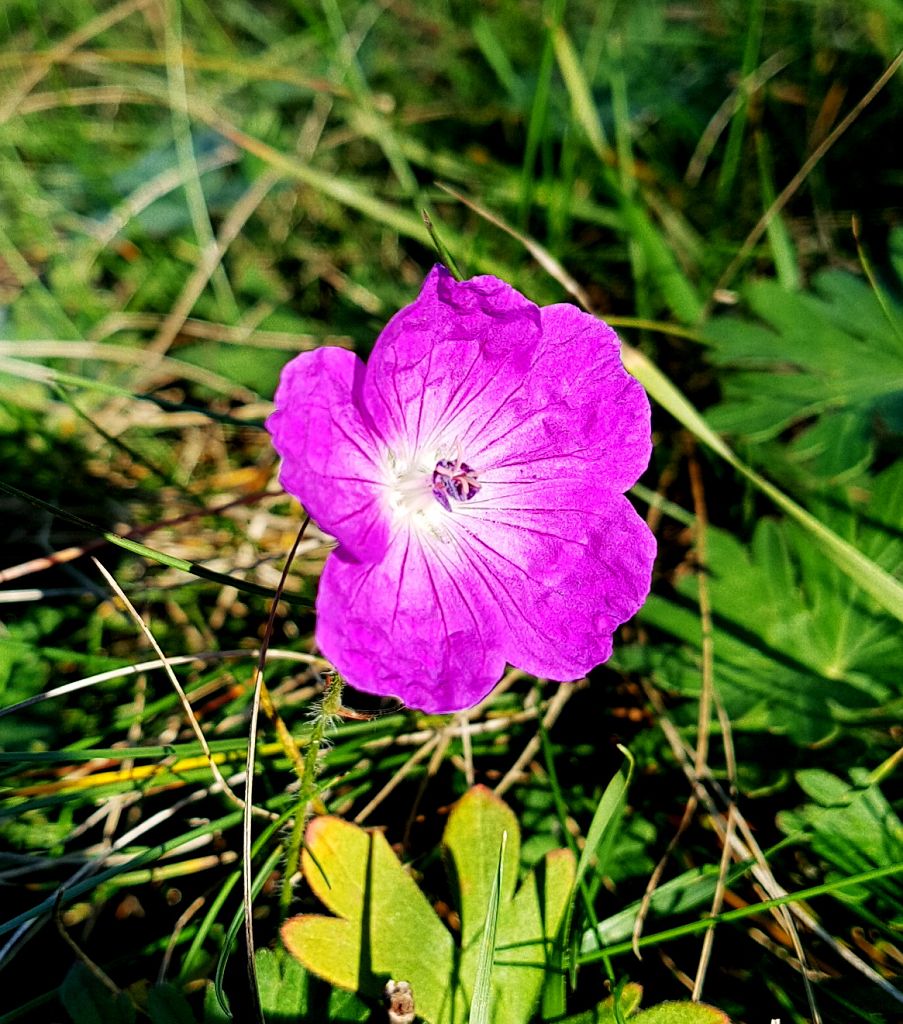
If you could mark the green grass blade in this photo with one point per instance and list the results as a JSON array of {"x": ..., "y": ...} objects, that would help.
[
  {"x": 497, "y": 57},
  {"x": 481, "y": 1006},
  {"x": 733, "y": 152},
  {"x": 753, "y": 909},
  {"x": 21, "y": 369},
  {"x": 785, "y": 262},
  {"x": 656, "y": 257},
  {"x": 239, "y": 917},
  {"x": 606, "y": 817},
  {"x": 582, "y": 104}
]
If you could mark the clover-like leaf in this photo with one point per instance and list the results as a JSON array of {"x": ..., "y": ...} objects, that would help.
[
  {"x": 384, "y": 927},
  {"x": 854, "y": 828},
  {"x": 529, "y": 920}
]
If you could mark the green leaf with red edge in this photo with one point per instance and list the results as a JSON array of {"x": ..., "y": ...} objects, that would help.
[{"x": 384, "y": 927}]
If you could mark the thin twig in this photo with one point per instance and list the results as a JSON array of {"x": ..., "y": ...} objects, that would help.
[
  {"x": 747, "y": 848},
  {"x": 177, "y": 686},
  {"x": 556, "y": 706},
  {"x": 746, "y": 88},
  {"x": 246, "y": 876}
]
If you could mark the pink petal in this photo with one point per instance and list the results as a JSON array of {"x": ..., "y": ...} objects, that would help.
[
  {"x": 578, "y": 411},
  {"x": 458, "y": 350},
  {"x": 565, "y": 567},
  {"x": 412, "y": 626},
  {"x": 329, "y": 460}
]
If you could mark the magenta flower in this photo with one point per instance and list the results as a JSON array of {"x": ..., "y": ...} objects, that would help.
[{"x": 472, "y": 473}]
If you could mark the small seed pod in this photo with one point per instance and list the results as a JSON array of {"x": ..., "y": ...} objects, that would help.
[{"x": 400, "y": 997}]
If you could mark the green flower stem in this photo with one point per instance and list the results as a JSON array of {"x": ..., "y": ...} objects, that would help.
[{"x": 326, "y": 714}]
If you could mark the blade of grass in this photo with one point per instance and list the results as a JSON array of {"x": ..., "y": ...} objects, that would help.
[
  {"x": 141, "y": 667},
  {"x": 497, "y": 58},
  {"x": 582, "y": 103},
  {"x": 538, "y": 113},
  {"x": 22, "y": 370},
  {"x": 222, "y": 894},
  {"x": 346, "y": 58},
  {"x": 240, "y": 917},
  {"x": 481, "y": 1005},
  {"x": 675, "y": 288},
  {"x": 636, "y": 251},
  {"x": 177, "y": 686},
  {"x": 188, "y": 166},
  {"x": 755, "y": 20},
  {"x": 599, "y": 838},
  {"x": 63, "y": 49},
  {"x": 892, "y": 317},
  {"x": 790, "y": 189},
  {"x": 785, "y": 263},
  {"x": 251, "y": 888},
  {"x": 727, "y": 916}
]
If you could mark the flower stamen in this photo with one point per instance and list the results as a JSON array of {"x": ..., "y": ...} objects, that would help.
[{"x": 454, "y": 480}]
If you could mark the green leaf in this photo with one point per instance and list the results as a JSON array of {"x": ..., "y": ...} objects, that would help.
[
  {"x": 346, "y": 1008},
  {"x": 874, "y": 580},
  {"x": 529, "y": 922},
  {"x": 384, "y": 927},
  {"x": 472, "y": 838},
  {"x": 681, "y": 1013},
  {"x": 88, "y": 1001},
  {"x": 799, "y": 648},
  {"x": 810, "y": 359},
  {"x": 629, "y": 998},
  {"x": 853, "y": 827},
  {"x": 282, "y": 984},
  {"x": 167, "y": 1005}
]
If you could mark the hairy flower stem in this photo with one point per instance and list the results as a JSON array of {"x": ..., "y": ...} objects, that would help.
[
  {"x": 325, "y": 714},
  {"x": 289, "y": 745}
]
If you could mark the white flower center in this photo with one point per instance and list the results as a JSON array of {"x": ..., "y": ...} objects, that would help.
[{"x": 423, "y": 488}]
